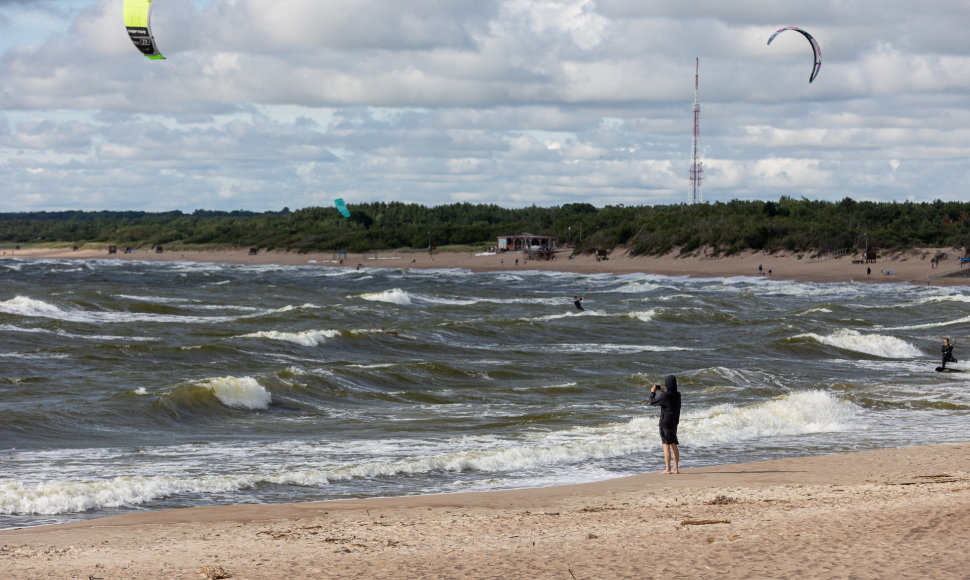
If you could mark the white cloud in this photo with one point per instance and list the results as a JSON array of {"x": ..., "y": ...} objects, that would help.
[{"x": 262, "y": 105}]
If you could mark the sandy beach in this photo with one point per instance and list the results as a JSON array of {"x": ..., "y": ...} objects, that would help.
[
  {"x": 912, "y": 266},
  {"x": 890, "y": 513}
]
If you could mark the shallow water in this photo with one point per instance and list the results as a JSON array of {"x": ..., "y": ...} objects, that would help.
[{"x": 133, "y": 386}]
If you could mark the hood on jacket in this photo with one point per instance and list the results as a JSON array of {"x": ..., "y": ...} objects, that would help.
[{"x": 670, "y": 384}]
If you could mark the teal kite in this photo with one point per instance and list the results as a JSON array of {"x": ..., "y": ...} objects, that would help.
[{"x": 342, "y": 207}]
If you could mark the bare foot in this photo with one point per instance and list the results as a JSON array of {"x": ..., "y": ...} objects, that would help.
[
  {"x": 675, "y": 471},
  {"x": 665, "y": 471}
]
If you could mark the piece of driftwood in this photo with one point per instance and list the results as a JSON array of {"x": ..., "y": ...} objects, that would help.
[{"x": 703, "y": 522}]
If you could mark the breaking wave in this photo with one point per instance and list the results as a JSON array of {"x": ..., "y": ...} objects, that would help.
[
  {"x": 796, "y": 413},
  {"x": 871, "y": 344},
  {"x": 305, "y": 338},
  {"x": 393, "y": 296}
]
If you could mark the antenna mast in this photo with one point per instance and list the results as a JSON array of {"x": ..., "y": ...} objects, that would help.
[{"x": 694, "y": 195}]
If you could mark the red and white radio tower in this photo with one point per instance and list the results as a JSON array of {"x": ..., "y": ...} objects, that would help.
[{"x": 694, "y": 195}]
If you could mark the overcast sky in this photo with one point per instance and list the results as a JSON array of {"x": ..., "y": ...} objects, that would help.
[{"x": 265, "y": 104}]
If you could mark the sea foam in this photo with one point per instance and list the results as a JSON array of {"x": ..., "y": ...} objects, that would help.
[
  {"x": 64, "y": 497},
  {"x": 793, "y": 414}
]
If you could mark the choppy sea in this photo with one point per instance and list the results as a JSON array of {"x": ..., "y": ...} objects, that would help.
[{"x": 131, "y": 386}]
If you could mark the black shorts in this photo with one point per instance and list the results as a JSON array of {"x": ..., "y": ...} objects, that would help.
[{"x": 668, "y": 435}]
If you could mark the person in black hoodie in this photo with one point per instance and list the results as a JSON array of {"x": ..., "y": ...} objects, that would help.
[{"x": 668, "y": 398}]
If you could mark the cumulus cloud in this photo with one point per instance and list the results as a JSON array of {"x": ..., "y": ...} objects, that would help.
[{"x": 261, "y": 105}]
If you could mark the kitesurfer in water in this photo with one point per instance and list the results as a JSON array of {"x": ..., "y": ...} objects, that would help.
[
  {"x": 578, "y": 300},
  {"x": 668, "y": 399},
  {"x": 947, "y": 353}
]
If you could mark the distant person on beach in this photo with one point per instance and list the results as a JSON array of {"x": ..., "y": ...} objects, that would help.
[
  {"x": 668, "y": 399},
  {"x": 947, "y": 352},
  {"x": 578, "y": 301}
]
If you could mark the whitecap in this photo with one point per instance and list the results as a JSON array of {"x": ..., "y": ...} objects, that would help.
[
  {"x": 643, "y": 315},
  {"x": 25, "y": 306},
  {"x": 794, "y": 414},
  {"x": 392, "y": 296},
  {"x": 241, "y": 392},
  {"x": 871, "y": 344},
  {"x": 305, "y": 338},
  {"x": 940, "y": 324}
]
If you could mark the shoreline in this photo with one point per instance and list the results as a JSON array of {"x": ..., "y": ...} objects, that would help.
[
  {"x": 912, "y": 266},
  {"x": 897, "y": 512}
]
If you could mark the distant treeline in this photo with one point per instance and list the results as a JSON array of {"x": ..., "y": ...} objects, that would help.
[{"x": 798, "y": 225}]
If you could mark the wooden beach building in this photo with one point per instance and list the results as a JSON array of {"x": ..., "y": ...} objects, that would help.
[{"x": 533, "y": 247}]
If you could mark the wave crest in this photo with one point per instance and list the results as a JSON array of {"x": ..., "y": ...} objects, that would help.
[
  {"x": 229, "y": 391},
  {"x": 871, "y": 344},
  {"x": 392, "y": 296},
  {"x": 305, "y": 338},
  {"x": 244, "y": 392},
  {"x": 798, "y": 413}
]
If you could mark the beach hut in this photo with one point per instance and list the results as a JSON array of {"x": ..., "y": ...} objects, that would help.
[{"x": 533, "y": 247}]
